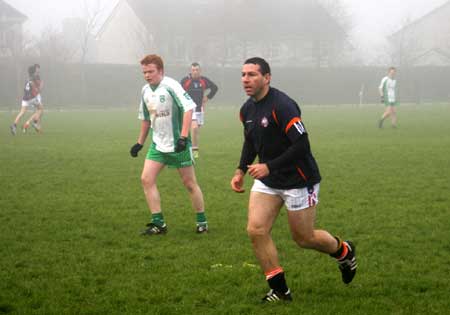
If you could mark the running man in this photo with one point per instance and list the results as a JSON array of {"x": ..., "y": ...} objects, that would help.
[
  {"x": 196, "y": 85},
  {"x": 31, "y": 100},
  {"x": 388, "y": 95},
  {"x": 167, "y": 109},
  {"x": 286, "y": 174}
]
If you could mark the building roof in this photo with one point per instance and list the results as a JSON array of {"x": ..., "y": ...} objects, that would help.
[
  {"x": 9, "y": 13},
  {"x": 429, "y": 15}
]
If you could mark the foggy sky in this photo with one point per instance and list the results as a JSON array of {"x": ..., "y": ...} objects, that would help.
[{"x": 372, "y": 20}]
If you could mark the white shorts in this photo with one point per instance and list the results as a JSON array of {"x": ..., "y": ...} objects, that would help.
[
  {"x": 199, "y": 117},
  {"x": 34, "y": 102},
  {"x": 294, "y": 199}
]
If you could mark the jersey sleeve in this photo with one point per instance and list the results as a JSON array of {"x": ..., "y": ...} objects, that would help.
[
  {"x": 383, "y": 81},
  {"x": 181, "y": 97},
  {"x": 143, "y": 110},
  {"x": 288, "y": 117}
]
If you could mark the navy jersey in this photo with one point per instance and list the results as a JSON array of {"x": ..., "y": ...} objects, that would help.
[
  {"x": 196, "y": 89},
  {"x": 271, "y": 126},
  {"x": 31, "y": 89}
]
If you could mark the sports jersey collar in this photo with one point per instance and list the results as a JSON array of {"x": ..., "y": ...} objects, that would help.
[
  {"x": 154, "y": 87},
  {"x": 269, "y": 92}
]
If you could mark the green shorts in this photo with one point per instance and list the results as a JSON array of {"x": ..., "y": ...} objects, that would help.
[
  {"x": 171, "y": 159},
  {"x": 391, "y": 103}
]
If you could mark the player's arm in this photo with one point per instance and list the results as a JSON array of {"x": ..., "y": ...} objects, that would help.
[
  {"x": 212, "y": 88},
  {"x": 144, "y": 116},
  {"x": 145, "y": 127},
  {"x": 184, "y": 102},
  {"x": 187, "y": 119},
  {"x": 381, "y": 87},
  {"x": 248, "y": 155}
]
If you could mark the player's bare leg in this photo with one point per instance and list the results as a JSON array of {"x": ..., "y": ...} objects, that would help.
[
  {"x": 386, "y": 114},
  {"x": 393, "y": 117},
  {"x": 302, "y": 229},
  {"x": 35, "y": 119},
  {"x": 194, "y": 134},
  {"x": 148, "y": 179},
  {"x": 301, "y": 223},
  {"x": 189, "y": 180},
  {"x": 22, "y": 112},
  {"x": 262, "y": 211}
]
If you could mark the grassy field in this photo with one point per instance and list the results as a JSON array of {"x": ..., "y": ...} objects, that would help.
[{"x": 71, "y": 209}]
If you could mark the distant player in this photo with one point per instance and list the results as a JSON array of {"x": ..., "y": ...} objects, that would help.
[
  {"x": 31, "y": 100},
  {"x": 196, "y": 85},
  {"x": 285, "y": 175},
  {"x": 388, "y": 95},
  {"x": 167, "y": 109}
]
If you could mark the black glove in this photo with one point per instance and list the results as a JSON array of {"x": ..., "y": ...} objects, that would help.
[
  {"x": 181, "y": 144},
  {"x": 135, "y": 149},
  {"x": 382, "y": 99}
]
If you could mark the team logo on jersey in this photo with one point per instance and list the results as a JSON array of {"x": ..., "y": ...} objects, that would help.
[
  {"x": 162, "y": 98},
  {"x": 186, "y": 95},
  {"x": 264, "y": 122}
]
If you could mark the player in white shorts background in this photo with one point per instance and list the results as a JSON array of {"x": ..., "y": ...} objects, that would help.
[
  {"x": 285, "y": 175},
  {"x": 31, "y": 101},
  {"x": 196, "y": 85}
]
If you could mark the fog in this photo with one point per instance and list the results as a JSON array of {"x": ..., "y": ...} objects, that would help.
[
  {"x": 371, "y": 20},
  {"x": 341, "y": 45}
]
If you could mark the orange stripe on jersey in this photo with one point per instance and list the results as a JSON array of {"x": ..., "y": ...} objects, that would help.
[
  {"x": 241, "y": 118},
  {"x": 299, "y": 170},
  {"x": 291, "y": 123},
  {"x": 274, "y": 115}
]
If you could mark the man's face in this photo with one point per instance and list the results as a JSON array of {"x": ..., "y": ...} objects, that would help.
[
  {"x": 253, "y": 81},
  {"x": 392, "y": 73},
  {"x": 195, "y": 72},
  {"x": 151, "y": 74}
]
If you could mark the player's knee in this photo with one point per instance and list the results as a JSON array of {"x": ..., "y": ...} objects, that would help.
[
  {"x": 147, "y": 181},
  {"x": 190, "y": 184},
  {"x": 302, "y": 240},
  {"x": 254, "y": 230}
]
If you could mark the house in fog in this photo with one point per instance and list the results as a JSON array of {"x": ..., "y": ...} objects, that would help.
[
  {"x": 221, "y": 33},
  {"x": 425, "y": 41},
  {"x": 11, "y": 34}
]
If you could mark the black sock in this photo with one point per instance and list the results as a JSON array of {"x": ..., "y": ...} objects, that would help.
[
  {"x": 278, "y": 283},
  {"x": 340, "y": 249}
]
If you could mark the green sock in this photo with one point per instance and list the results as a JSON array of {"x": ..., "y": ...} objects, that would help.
[
  {"x": 201, "y": 218},
  {"x": 158, "y": 219}
]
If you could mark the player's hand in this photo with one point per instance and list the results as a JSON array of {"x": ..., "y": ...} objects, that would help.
[
  {"x": 258, "y": 171},
  {"x": 382, "y": 99},
  {"x": 181, "y": 144},
  {"x": 135, "y": 149},
  {"x": 237, "y": 182}
]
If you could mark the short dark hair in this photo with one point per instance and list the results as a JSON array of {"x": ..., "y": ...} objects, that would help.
[
  {"x": 195, "y": 64},
  {"x": 263, "y": 65},
  {"x": 31, "y": 70},
  {"x": 392, "y": 68}
]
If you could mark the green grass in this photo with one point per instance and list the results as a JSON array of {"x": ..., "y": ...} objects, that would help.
[{"x": 71, "y": 209}]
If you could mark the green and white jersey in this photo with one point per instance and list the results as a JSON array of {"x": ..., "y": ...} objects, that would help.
[
  {"x": 388, "y": 86},
  {"x": 164, "y": 106}
]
